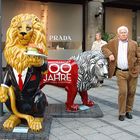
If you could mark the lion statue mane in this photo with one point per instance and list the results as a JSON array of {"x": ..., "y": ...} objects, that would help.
[
  {"x": 92, "y": 68},
  {"x": 15, "y": 45}
]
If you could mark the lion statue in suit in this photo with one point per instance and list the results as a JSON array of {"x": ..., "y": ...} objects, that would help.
[{"x": 27, "y": 101}]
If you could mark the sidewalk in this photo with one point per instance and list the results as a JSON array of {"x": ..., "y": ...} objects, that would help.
[{"x": 105, "y": 128}]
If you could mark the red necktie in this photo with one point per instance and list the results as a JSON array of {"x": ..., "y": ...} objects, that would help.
[{"x": 20, "y": 82}]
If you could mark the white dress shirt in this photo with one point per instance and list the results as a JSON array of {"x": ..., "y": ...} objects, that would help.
[
  {"x": 96, "y": 46},
  {"x": 122, "y": 61},
  {"x": 23, "y": 74}
]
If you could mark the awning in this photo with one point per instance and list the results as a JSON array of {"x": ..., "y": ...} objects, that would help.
[
  {"x": 66, "y": 1},
  {"x": 132, "y": 4}
]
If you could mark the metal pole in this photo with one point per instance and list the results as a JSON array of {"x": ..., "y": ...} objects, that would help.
[
  {"x": 1, "y": 105},
  {"x": 84, "y": 28}
]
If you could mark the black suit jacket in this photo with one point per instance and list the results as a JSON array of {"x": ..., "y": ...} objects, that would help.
[{"x": 31, "y": 83}]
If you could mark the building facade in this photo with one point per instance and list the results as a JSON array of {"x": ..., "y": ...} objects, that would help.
[{"x": 71, "y": 25}]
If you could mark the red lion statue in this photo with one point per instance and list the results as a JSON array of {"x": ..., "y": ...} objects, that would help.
[{"x": 77, "y": 75}]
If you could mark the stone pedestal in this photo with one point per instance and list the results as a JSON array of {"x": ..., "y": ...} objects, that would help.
[
  {"x": 42, "y": 135},
  {"x": 58, "y": 110}
]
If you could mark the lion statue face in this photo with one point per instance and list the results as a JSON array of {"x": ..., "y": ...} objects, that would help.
[
  {"x": 101, "y": 69},
  {"x": 24, "y": 30}
]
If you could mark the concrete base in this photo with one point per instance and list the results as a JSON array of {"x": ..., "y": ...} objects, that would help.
[
  {"x": 58, "y": 110},
  {"x": 43, "y": 135}
]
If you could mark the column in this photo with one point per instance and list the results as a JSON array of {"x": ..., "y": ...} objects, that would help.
[{"x": 95, "y": 21}]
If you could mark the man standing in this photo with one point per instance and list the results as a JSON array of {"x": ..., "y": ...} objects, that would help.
[{"x": 124, "y": 62}]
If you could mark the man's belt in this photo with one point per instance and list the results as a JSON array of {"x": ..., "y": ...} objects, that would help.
[{"x": 122, "y": 69}]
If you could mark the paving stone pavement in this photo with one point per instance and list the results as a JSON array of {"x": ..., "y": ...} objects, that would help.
[{"x": 106, "y": 128}]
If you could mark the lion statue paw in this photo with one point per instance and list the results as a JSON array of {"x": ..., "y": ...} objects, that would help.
[
  {"x": 11, "y": 122},
  {"x": 36, "y": 124}
]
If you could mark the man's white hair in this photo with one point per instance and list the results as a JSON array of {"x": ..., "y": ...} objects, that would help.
[{"x": 122, "y": 28}]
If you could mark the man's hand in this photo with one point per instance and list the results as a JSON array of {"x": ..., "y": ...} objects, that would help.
[
  {"x": 111, "y": 57},
  {"x": 3, "y": 94}
]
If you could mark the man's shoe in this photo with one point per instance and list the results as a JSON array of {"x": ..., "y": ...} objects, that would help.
[
  {"x": 121, "y": 117},
  {"x": 129, "y": 115}
]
